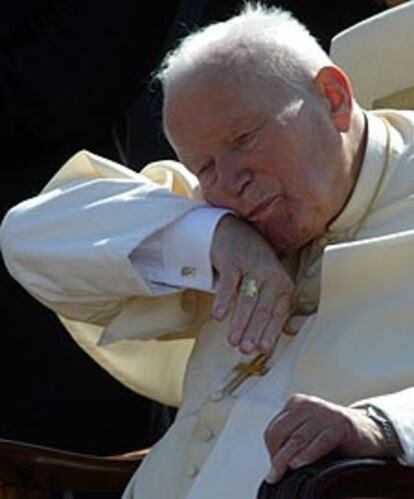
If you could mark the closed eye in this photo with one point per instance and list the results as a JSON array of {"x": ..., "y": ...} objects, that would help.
[
  {"x": 204, "y": 168},
  {"x": 247, "y": 139},
  {"x": 243, "y": 139}
]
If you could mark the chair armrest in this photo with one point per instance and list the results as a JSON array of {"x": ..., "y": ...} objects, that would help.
[
  {"x": 343, "y": 477},
  {"x": 42, "y": 468}
]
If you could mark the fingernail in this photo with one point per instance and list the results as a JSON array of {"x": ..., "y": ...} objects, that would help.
[
  {"x": 247, "y": 346},
  {"x": 296, "y": 463},
  {"x": 265, "y": 346},
  {"x": 234, "y": 340},
  {"x": 272, "y": 476},
  {"x": 218, "y": 312}
]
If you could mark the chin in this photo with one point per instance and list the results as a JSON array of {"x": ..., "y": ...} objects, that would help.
[{"x": 289, "y": 241}]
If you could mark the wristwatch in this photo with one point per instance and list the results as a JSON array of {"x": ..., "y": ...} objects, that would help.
[{"x": 392, "y": 443}]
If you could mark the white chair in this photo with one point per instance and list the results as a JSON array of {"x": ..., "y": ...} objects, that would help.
[{"x": 378, "y": 56}]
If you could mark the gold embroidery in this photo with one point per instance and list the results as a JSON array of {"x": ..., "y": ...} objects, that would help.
[
  {"x": 380, "y": 183},
  {"x": 257, "y": 367}
]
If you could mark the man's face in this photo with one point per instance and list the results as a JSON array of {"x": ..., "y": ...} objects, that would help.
[{"x": 273, "y": 156}]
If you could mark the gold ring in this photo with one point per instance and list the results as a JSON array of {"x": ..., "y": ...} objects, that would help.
[{"x": 250, "y": 288}]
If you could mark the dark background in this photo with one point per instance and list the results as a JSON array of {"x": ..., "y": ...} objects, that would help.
[{"x": 75, "y": 75}]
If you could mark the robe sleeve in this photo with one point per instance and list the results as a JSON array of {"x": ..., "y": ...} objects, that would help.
[
  {"x": 398, "y": 407},
  {"x": 70, "y": 248}
]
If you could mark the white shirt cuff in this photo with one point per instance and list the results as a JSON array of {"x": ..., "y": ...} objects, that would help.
[
  {"x": 179, "y": 255},
  {"x": 399, "y": 409}
]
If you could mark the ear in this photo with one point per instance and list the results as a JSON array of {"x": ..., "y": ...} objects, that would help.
[{"x": 333, "y": 85}]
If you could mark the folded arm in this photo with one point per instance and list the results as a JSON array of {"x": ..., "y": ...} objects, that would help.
[
  {"x": 86, "y": 247},
  {"x": 92, "y": 244}
]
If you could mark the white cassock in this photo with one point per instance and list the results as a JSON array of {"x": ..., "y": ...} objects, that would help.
[{"x": 78, "y": 247}]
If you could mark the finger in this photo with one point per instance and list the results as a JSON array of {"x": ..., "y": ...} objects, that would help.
[
  {"x": 243, "y": 309},
  {"x": 324, "y": 442},
  {"x": 270, "y": 335},
  {"x": 274, "y": 329},
  {"x": 298, "y": 408},
  {"x": 298, "y": 441},
  {"x": 226, "y": 292},
  {"x": 279, "y": 430},
  {"x": 258, "y": 320}
]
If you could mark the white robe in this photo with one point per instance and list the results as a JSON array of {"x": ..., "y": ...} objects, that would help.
[{"x": 71, "y": 247}]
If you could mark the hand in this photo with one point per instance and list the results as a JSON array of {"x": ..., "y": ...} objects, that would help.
[
  {"x": 238, "y": 253},
  {"x": 308, "y": 428}
]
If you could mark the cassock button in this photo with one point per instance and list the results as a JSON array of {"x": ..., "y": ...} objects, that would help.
[
  {"x": 188, "y": 271},
  {"x": 217, "y": 396},
  {"x": 206, "y": 434},
  {"x": 193, "y": 471}
]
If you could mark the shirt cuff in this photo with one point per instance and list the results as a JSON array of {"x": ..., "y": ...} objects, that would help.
[
  {"x": 399, "y": 409},
  {"x": 183, "y": 250}
]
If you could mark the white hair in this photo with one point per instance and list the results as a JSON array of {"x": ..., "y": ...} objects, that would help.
[{"x": 277, "y": 42}]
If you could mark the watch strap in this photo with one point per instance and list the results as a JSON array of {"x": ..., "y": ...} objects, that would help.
[{"x": 392, "y": 443}]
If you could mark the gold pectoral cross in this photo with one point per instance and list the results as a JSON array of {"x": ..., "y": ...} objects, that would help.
[{"x": 257, "y": 367}]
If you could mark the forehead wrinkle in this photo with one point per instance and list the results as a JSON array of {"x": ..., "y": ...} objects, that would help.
[
  {"x": 208, "y": 107},
  {"x": 202, "y": 137},
  {"x": 202, "y": 113}
]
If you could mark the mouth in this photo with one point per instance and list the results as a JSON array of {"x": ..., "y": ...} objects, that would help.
[{"x": 258, "y": 211}]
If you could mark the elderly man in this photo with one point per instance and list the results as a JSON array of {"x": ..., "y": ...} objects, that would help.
[{"x": 296, "y": 209}]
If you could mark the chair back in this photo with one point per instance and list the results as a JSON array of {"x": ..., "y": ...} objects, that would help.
[
  {"x": 378, "y": 56},
  {"x": 34, "y": 472}
]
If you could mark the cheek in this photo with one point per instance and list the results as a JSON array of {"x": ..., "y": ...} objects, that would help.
[{"x": 215, "y": 197}]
